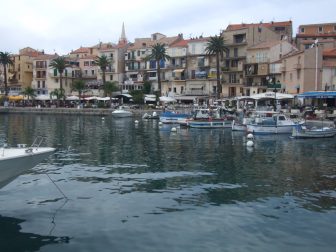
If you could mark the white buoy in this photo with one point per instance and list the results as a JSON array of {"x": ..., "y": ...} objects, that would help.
[
  {"x": 103, "y": 118},
  {"x": 249, "y": 143},
  {"x": 160, "y": 123},
  {"x": 136, "y": 121},
  {"x": 173, "y": 129},
  {"x": 250, "y": 136}
]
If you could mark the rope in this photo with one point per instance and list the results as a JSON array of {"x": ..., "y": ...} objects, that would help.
[{"x": 59, "y": 189}]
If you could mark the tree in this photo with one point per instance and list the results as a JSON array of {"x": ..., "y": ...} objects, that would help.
[
  {"x": 158, "y": 54},
  {"x": 29, "y": 92},
  {"x": 109, "y": 88},
  {"x": 103, "y": 62},
  {"x": 147, "y": 86},
  {"x": 59, "y": 93},
  {"x": 59, "y": 64},
  {"x": 5, "y": 60},
  {"x": 216, "y": 46},
  {"x": 79, "y": 86}
]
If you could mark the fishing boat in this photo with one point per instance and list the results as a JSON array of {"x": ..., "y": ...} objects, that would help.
[
  {"x": 209, "y": 118},
  {"x": 303, "y": 131},
  {"x": 273, "y": 124},
  {"x": 174, "y": 117},
  {"x": 122, "y": 111},
  {"x": 238, "y": 126},
  {"x": 15, "y": 160}
]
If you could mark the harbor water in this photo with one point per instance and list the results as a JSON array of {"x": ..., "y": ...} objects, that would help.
[{"x": 117, "y": 185}]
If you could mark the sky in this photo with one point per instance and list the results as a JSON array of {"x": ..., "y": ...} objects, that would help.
[{"x": 59, "y": 26}]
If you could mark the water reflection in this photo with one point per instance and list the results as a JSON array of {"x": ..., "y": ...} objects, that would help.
[
  {"x": 121, "y": 176},
  {"x": 13, "y": 239}
]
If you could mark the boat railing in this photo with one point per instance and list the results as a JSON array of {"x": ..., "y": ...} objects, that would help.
[{"x": 36, "y": 144}]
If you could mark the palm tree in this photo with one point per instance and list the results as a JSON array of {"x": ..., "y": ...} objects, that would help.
[
  {"x": 217, "y": 47},
  {"x": 59, "y": 93},
  {"x": 5, "y": 60},
  {"x": 103, "y": 62},
  {"x": 158, "y": 54},
  {"x": 59, "y": 64},
  {"x": 29, "y": 92},
  {"x": 109, "y": 88},
  {"x": 79, "y": 86}
]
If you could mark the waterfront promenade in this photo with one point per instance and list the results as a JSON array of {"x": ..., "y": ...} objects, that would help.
[{"x": 68, "y": 111}]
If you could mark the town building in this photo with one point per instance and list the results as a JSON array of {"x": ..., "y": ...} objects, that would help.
[
  {"x": 309, "y": 34},
  {"x": 238, "y": 38}
]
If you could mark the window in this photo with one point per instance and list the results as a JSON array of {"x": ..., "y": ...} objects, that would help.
[
  {"x": 235, "y": 52},
  {"x": 290, "y": 76},
  {"x": 232, "y": 78},
  {"x": 302, "y": 30},
  {"x": 111, "y": 77},
  {"x": 38, "y": 84},
  {"x": 234, "y": 63},
  {"x": 320, "y": 29},
  {"x": 138, "y": 52},
  {"x": 152, "y": 74},
  {"x": 43, "y": 84},
  {"x": 298, "y": 74},
  {"x": 86, "y": 72},
  {"x": 86, "y": 63},
  {"x": 55, "y": 72}
]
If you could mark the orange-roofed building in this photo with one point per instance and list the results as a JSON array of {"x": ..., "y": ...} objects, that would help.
[{"x": 324, "y": 34}]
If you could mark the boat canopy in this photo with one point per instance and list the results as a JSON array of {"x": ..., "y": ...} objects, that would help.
[
  {"x": 318, "y": 94},
  {"x": 272, "y": 95}
]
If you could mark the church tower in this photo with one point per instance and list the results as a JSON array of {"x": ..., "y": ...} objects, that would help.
[{"x": 122, "y": 39}]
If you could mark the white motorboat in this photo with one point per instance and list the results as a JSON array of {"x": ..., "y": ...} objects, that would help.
[
  {"x": 302, "y": 131},
  {"x": 14, "y": 161},
  {"x": 122, "y": 111},
  {"x": 274, "y": 124}
]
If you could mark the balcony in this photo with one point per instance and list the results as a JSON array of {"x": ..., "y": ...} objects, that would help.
[{"x": 297, "y": 66}]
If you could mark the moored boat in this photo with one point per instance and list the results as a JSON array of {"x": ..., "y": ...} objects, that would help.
[
  {"x": 302, "y": 131},
  {"x": 122, "y": 111},
  {"x": 14, "y": 161},
  {"x": 173, "y": 117},
  {"x": 274, "y": 124}
]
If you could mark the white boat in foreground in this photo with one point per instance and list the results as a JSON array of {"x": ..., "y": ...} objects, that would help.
[
  {"x": 14, "y": 161},
  {"x": 122, "y": 111},
  {"x": 301, "y": 131}
]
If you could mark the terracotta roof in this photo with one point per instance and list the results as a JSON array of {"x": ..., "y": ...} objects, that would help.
[
  {"x": 81, "y": 50},
  {"x": 46, "y": 57},
  {"x": 185, "y": 42},
  {"x": 329, "y": 52},
  {"x": 233, "y": 27},
  {"x": 148, "y": 42}
]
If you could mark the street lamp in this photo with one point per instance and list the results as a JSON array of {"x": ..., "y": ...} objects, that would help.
[{"x": 316, "y": 65}]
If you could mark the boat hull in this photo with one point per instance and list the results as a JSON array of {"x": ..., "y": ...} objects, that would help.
[
  {"x": 120, "y": 114},
  {"x": 299, "y": 132},
  {"x": 203, "y": 124},
  {"x": 11, "y": 166},
  {"x": 269, "y": 129}
]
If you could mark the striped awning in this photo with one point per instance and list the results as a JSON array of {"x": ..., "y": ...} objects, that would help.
[{"x": 318, "y": 94}]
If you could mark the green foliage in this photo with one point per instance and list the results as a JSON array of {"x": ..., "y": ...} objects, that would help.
[
  {"x": 59, "y": 93},
  {"x": 216, "y": 46},
  {"x": 29, "y": 92},
  {"x": 147, "y": 86},
  {"x": 79, "y": 86},
  {"x": 60, "y": 64},
  {"x": 103, "y": 62},
  {"x": 110, "y": 87},
  {"x": 5, "y": 60},
  {"x": 158, "y": 54},
  {"x": 138, "y": 96}
]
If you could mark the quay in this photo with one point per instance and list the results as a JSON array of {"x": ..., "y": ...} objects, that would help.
[{"x": 68, "y": 111}]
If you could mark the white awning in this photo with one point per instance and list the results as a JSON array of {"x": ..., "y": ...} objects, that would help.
[
  {"x": 72, "y": 98},
  {"x": 178, "y": 70}
]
